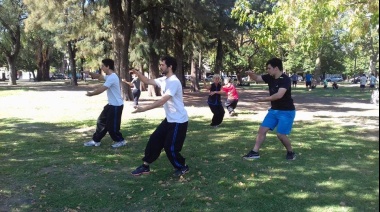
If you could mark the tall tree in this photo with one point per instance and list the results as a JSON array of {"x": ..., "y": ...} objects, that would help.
[{"x": 12, "y": 15}]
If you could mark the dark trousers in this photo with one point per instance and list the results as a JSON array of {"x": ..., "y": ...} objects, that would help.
[
  {"x": 136, "y": 96},
  {"x": 168, "y": 136},
  {"x": 218, "y": 112},
  {"x": 109, "y": 121},
  {"x": 231, "y": 104}
]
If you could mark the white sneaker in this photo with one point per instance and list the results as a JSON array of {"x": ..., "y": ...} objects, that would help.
[
  {"x": 119, "y": 144},
  {"x": 92, "y": 143}
]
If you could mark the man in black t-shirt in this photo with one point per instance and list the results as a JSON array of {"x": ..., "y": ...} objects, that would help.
[{"x": 282, "y": 112}]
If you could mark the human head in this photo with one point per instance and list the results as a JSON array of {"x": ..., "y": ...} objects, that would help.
[
  {"x": 216, "y": 78},
  {"x": 227, "y": 80},
  {"x": 108, "y": 63},
  {"x": 273, "y": 65},
  {"x": 168, "y": 63}
]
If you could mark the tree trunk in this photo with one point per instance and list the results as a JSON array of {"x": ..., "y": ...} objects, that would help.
[
  {"x": 219, "y": 57},
  {"x": 154, "y": 34},
  {"x": 72, "y": 53},
  {"x": 122, "y": 23},
  {"x": 317, "y": 72},
  {"x": 178, "y": 49},
  {"x": 12, "y": 70},
  {"x": 194, "y": 79}
]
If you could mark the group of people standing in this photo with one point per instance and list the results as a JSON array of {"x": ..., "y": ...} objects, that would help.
[{"x": 171, "y": 132}]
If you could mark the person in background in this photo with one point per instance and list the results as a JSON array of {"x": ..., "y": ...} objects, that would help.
[
  {"x": 136, "y": 92},
  {"x": 363, "y": 82},
  {"x": 372, "y": 82},
  {"x": 308, "y": 79},
  {"x": 335, "y": 85},
  {"x": 214, "y": 101},
  {"x": 232, "y": 96},
  {"x": 325, "y": 83},
  {"x": 295, "y": 80}
]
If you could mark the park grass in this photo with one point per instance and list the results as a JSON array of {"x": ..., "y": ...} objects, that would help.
[
  {"x": 45, "y": 167},
  {"x": 344, "y": 91}
]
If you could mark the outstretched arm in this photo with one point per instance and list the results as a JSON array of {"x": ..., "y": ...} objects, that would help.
[
  {"x": 95, "y": 75},
  {"x": 155, "y": 104},
  {"x": 254, "y": 76},
  {"x": 281, "y": 92},
  {"x": 143, "y": 78}
]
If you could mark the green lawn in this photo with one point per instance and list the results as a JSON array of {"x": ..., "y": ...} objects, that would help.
[
  {"x": 345, "y": 91},
  {"x": 44, "y": 167}
]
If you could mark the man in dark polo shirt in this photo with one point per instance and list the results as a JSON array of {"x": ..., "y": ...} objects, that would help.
[{"x": 282, "y": 113}]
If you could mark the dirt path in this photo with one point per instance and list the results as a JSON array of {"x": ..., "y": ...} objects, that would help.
[{"x": 46, "y": 103}]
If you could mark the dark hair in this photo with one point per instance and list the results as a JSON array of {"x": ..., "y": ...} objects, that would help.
[
  {"x": 110, "y": 63},
  {"x": 275, "y": 62},
  {"x": 170, "y": 61}
]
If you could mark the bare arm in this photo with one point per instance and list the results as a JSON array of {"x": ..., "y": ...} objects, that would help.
[
  {"x": 281, "y": 92},
  {"x": 155, "y": 104},
  {"x": 254, "y": 76},
  {"x": 97, "y": 91},
  {"x": 143, "y": 78},
  {"x": 126, "y": 82},
  {"x": 95, "y": 75}
]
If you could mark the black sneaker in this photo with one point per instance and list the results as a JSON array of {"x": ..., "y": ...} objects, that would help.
[
  {"x": 290, "y": 156},
  {"x": 143, "y": 169},
  {"x": 182, "y": 171},
  {"x": 251, "y": 155}
]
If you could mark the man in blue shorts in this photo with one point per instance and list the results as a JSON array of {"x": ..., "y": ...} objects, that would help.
[{"x": 282, "y": 112}]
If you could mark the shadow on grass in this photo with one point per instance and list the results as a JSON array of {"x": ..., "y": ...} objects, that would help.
[{"x": 46, "y": 168}]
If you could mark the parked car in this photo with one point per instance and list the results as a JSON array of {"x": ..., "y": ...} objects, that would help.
[
  {"x": 355, "y": 80},
  {"x": 58, "y": 76},
  {"x": 334, "y": 79},
  {"x": 209, "y": 78}
]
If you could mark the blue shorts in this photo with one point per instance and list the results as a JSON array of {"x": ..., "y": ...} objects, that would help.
[{"x": 282, "y": 119}]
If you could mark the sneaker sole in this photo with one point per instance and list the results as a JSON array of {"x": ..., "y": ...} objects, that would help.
[
  {"x": 182, "y": 173},
  {"x": 251, "y": 158},
  {"x": 118, "y": 146},
  {"x": 140, "y": 174},
  {"x": 292, "y": 158}
]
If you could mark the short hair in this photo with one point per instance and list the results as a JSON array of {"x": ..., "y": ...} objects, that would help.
[
  {"x": 170, "y": 61},
  {"x": 275, "y": 62},
  {"x": 215, "y": 76},
  {"x": 110, "y": 63},
  {"x": 227, "y": 80}
]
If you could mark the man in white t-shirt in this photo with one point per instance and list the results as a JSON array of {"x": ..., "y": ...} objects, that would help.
[
  {"x": 363, "y": 82},
  {"x": 110, "y": 118},
  {"x": 171, "y": 133}
]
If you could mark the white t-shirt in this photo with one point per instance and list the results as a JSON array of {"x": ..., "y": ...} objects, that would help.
[
  {"x": 363, "y": 80},
  {"x": 174, "y": 108},
  {"x": 113, "y": 91}
]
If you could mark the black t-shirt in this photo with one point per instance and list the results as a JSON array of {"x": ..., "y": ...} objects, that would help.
[
  {"x": 286, "y": 102},
  {"x": 215, "y": 99}
]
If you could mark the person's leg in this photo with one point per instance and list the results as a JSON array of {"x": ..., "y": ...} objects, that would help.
[
  {"x": 285, "y": 125},
  {"x": 136, "y": 96},
  {"x": 114, "y": 121},
  {"x": 269, "y": 123},
  {"x": 101, "y": 129},
  {"x": 214, "y": 110},
  {"x": 175, "y": 137},
  {"x": 229, "y": 106},
  {"x": 156, "y": 143},
  {"x": 221, "y": 114},
  {"x": 152, "y": 149},
  {"x": 260, "y": 138}
]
